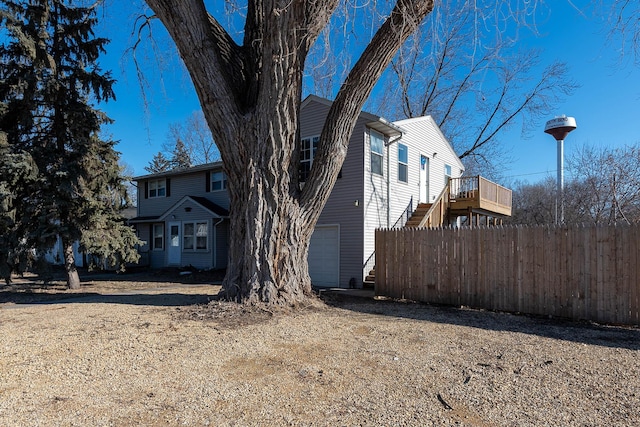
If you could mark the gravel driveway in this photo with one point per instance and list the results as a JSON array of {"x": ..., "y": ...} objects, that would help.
[{"x": 135, "y": 350}]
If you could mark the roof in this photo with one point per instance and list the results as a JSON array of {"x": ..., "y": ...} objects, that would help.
[
  {"x": 204, "y": 203},
  {"x": 184, "y": 171},
  {"x": 435, "y": 126},
  {"x": 140, "y": 219},
  {"x": 209, "y": 205},
  {"x": 377, "y": 123}
]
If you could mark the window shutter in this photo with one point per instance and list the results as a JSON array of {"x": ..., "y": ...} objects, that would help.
[
  {"x": 207, "y": 184},
  {"x": 168, "y": 187},
  {"x": 152, "y": 241},
  {"x": 146, "y": 189}
]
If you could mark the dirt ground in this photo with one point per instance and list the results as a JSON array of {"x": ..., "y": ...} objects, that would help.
[{"x": 155, "y": 349}]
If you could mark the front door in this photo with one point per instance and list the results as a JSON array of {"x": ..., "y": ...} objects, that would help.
[
  {"x": 424, "y": 179},
  {"x": 173, "y": 256}
]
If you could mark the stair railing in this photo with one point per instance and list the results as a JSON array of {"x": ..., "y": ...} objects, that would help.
[
  {"x": 370, "y": 263},
  {"x": 436, "y": 214},
  {"x": 404, "y": 216}
]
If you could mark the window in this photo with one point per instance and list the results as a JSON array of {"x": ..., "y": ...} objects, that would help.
[
  {"x": 195, "y": 236},
  {"x": 157, "y": 188},
  {"x": 158, "y": 237},
  {"x": 218, "y": 181},
  {"x": 377, "y": 151},
  {"x": 447, "y": 170},
  {"x": 308, "y": 149},
  {"x": 403, "y": 163}
]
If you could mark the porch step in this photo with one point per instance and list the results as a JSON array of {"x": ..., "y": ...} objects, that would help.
[
  {"x": 370, "y": 281},
  {"x": 418, "y": 214}
]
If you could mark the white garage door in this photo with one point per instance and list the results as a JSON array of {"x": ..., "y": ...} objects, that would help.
[{"x": 324, "y": 256}]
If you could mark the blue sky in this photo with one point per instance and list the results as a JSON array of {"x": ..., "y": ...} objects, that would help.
[{"x": 606, "y": 105}]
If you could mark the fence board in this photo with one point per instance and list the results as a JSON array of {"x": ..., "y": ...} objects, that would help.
[{"x": 574, "y": 272}]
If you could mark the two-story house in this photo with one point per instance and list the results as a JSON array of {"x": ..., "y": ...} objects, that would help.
[{"x": 390, "y": 167}]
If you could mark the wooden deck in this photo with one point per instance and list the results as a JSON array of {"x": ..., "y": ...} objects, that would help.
[
  {"x": 471, "y": 197},
  {"x": 478, "y": 195}
]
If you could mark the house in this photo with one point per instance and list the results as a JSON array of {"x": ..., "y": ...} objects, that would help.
[
  {"x": 390, "y": 168},
  {"x": 55, "y": 255}
]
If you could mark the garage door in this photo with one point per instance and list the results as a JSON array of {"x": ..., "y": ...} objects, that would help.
[{"x": 324, "y": 256}]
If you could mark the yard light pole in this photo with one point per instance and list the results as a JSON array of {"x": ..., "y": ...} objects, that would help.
[{"x": 559, "y": 128}]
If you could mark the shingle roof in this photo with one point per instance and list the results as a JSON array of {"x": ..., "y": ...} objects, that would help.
[{"x": 208, "y": 204}]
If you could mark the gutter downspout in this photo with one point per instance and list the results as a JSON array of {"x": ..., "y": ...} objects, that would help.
[
  {"x": 215, "y": 246},
  {"x": 391, "y": 141}
]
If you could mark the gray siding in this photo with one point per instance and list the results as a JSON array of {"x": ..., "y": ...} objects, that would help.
[
  {"x": 155, "y": 258},
  {"x": 187, "y": 184},
  {"x": 341, "y": 206},
  {"x": 175, "y": 207},
  {"x": 359, "y": 203},
  {"x": 423, "y": 137}
]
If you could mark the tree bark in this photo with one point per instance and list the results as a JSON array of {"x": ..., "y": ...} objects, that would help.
[{"x": 73, "y": 279}]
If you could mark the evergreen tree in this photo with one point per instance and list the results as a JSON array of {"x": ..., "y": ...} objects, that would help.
[
  {"x": 158, "y": 164},
  {"x": 17, "y": 173},
  {"x": 180, "y": 158},
  {"x": 50, "y": 81}
]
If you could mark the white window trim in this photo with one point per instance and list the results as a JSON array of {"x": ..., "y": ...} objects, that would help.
[
  {"x": 312, "y": 149},
  {"x": 375, "y": 153},
  {"x": 223, "y": 181},
  {"x": 405, "y": 164},
  {"x": 194, "y": 236},
  {"x": 157, "y": 185},
  {"x": 160, "y": 226}
]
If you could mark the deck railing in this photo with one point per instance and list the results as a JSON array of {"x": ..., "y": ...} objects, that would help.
[{"x": 483, "y": 193}]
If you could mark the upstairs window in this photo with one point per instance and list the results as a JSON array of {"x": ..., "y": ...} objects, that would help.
[
  {"x": 308, "y": 149},
  {"x": 157, "y": 188},
  {"x": 218, "y": 181},
  {"x": 403, "y": 163},
  {"x": 377, "y": 151}
]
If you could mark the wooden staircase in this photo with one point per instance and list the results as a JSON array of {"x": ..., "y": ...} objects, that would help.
[
  {"x": 370, "y": 281},
  {"x": 470, "y": 197},
  {"x": 431, "y": 215},
  {"x": 418, "y": 215},
  {"x": 425, "y": 215}
]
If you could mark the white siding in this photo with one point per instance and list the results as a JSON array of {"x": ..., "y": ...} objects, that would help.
[
  {"x": 375, "y": 199},
  {"x": 422, "y": 137}
]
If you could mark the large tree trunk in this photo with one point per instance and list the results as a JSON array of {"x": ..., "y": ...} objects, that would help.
[
  {"x": 268, "y": 248},
  {"x": 73, "y": 279},
  {"x": 270, "y": 230},
  {"x": 251, "y": 96}
]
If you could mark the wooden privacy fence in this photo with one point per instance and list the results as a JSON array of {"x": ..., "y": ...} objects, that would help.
[{"x": 576, "y": 272}]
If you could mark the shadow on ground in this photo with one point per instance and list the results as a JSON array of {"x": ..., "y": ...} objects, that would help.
[
  {"x": 57, "y": 277},
  {"x": 157, "y": 300},
  {"x": 561, "y": 329},
  {"x": 148, "y": 287}
]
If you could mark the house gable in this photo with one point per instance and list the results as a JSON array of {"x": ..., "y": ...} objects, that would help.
[{"x": 208, "y": 206}]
